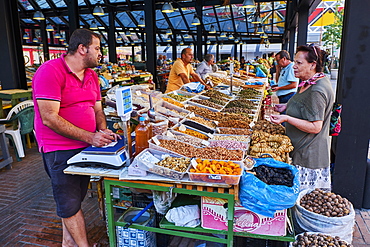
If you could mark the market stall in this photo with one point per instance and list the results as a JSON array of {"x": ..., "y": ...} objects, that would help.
[{"x": 205, "y": 138}]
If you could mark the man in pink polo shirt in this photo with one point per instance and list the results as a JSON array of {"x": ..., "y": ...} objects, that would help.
[{"x": 68, "y": 118}]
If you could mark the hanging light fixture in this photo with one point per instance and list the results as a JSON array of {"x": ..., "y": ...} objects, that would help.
[
  {"x": 93, "y": 26},
  {"x": 119, "y": 38},
  {"x": 61, "y": 39},
  {"x": 49, "y": 28},
  {"x": 128, "y": 33},
  {"x": 98, "y": 10},
  {"x": 186, "y": 36},
  {"x": 263, "y": 36},
  {"x": 213, "y": 29},
  {"x": 236, "y": 41},
  {"x": 132, "y": 43},
  {"x": 35, "y": 40},
  {"x": 168, "y": 39},
  {"x": 208, "y": 42},
  {"x": 241, "y": 43},
  {"x": 57, "y": 35},
  {"x": 231, "y": 36},
  {"x": 168, "y": 45},
  {"x": 223, "y": 35},
  {"x": 215, "y": 44},
  {"x": 156, "y": 44},
  {"x": 256, "y": 20},
  {"x": 260, "y": 29},
  {"x": 169, "y": 31},
  {"x": 141, "y": 22},
  {"x": 181, "y": 43},
  {"x": 249, "y": 4},
  {"x": 64, "y": 43},
  {"x": 167, "y": 8},
  {"x": 221, "y": 45},
  {"x": 196, "y": 21},
  {"x": 191, "y": 44},
  {"x": 25, "y": 36},
  {"x": 38, "y": 15}
]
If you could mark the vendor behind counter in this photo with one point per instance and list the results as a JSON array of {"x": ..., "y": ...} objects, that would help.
[{"x": 181, "y": 71}]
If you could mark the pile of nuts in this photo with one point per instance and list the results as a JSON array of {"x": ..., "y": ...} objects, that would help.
[
  {"x": 232, "y": 138},
  {"x": 174, "y": 102},
  {"x": 268, "y": 127},
  {"x": 215, "y": 153},
  {"x": 242, "y": 103},
  {"x": 173, "y": 163},
  {"x": 192, "y": 133},
  {"x": 326, "y": 203},
  {"x": 234, "y": 124},
  {"x": 216, "y": 116},
  {"x": 206, "y": 102},
  {"x": 189, "y": 139},
  {"x": 234, "y": 131},
  {"x": 319, "y": 239},
  {"x": 178, "y": 97},
  {"x": 216, "y": 94},
  {"x": 229, "y": 144},
  {"x": 238, "y": 110},
  {"x": 203, "y": 121},
  {"x": 249, "y": 93}
]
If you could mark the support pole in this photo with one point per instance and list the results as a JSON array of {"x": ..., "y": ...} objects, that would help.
[
  {"x": 150, "y": 30},
  {"x": 353, "y": 93},
  {"x": 13, "y": 73}
]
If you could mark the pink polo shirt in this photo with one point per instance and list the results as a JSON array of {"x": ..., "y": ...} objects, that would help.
[{"x": 55, "y": 81}]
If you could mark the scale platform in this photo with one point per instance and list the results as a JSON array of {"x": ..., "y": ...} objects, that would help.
[{"x": 113, "y": 156}]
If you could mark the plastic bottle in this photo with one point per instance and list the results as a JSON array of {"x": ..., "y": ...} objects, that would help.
[
  {"x": 142, "y": 136},
  {"x": 148, "y": 124}
]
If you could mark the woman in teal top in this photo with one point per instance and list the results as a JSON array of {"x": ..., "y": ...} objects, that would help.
[{"x": 308, "y": 119}]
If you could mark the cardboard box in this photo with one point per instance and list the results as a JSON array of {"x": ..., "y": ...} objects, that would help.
[
  {"x": 214, "y": 216},
  {"x": 134, "y": 237}
]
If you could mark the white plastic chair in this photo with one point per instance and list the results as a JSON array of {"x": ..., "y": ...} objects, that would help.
[{"x": 16, "y": 133}]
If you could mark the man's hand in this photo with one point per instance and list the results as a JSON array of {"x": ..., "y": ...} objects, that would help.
[{"x": 104, "y": 137}]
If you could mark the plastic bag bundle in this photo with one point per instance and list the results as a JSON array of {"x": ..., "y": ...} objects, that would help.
[
  {"x": 194, "y": 87},
  {"x": 260, "y": 73},
  {"x": 163, "y": 200},
  {"x": 307, "y": 221},
  {"x": 265, "y": 199}
]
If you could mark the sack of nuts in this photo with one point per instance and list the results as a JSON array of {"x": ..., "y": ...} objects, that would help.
[{"x": 325, "y": 212}]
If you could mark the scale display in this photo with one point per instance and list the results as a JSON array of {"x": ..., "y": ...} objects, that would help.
[{"x": 124, "y": 102}]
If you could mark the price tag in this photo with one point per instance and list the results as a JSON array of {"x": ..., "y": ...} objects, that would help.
[
  {"x": 111, "y": 80},
  {"x": 216, "y": 122},
  {"x": 169, "y": 134},
  {"x": 218, "y": 130},
  {"x": 182, "y": 127},
  {"x": 156, "y": 141},
  {"x": 251, "y": 124},
  {"x": 210, "y": 135},
  {"x": 205, "y": 143},
  {"x": 215, "y": 177},
  {"x": 194, "y": 163},
  {"x": 175, "y": 93},
  {"x": 174, "y": 119},
  {"x": 138, "y": 93},
  {"x": 191, "y": 115}
]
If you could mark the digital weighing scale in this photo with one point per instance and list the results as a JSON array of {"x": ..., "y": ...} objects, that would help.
[{"x": 116, "y": 154}]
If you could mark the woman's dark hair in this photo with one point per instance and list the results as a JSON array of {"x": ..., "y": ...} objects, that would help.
[
  {"x": 313, "y": 54},
  {"x": 81, "y": 36}
]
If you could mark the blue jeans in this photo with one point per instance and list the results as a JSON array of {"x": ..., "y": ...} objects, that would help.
[{"x": 285, "y": 98}]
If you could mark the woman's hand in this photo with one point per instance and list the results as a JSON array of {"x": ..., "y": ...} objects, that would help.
[
  {"x": 280, "y": 107},
  {"x": 278, "y": 119}
]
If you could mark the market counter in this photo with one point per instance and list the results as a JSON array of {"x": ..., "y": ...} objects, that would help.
[{"x": 226, "y": 192}]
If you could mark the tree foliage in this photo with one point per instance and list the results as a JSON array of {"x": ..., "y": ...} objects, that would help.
[{"x": 332, "y": 35}]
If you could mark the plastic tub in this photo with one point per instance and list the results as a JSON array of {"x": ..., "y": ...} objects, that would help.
[
  {"x": 150, "y": 166},
  {"x": 217, "y": 178}
]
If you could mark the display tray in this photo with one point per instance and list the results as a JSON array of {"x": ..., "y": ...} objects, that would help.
[
  {"x": 191, "y": 131},
  {"x": 184, "y": 96},
  {"x": 216, "y": 106},
  {"x": 241, "y": 138},
  {"x": 203, "y": 106},
  {"x": 150, "y": 166},
  {"x": 203, "y": 128},
  {"x": 218, "y": 166}
]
